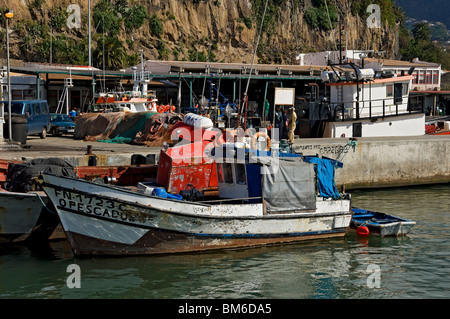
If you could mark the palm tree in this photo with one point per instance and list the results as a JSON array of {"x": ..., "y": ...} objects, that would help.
[
  {"x": 421, "y": 31},
  {"x": 110, "y": 53}
]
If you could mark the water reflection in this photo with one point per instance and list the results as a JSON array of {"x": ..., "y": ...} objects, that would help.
[{"x": 414, "y": 266}]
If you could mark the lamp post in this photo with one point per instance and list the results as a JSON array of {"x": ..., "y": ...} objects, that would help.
[{"x": 9, "y": 14}]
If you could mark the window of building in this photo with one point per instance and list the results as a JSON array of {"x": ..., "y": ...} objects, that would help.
[
  {"x": 422, "y": 77},
  {"x": 405, "y": 89},
  {"x": 436, "y": 77},
  {"x": 429, "y": 78},
  {"x": 415, "y": 77},
  {"x": 52, "y": 98}
]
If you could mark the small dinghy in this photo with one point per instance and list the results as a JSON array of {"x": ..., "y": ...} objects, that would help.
[{"x": 380, "y": 223}]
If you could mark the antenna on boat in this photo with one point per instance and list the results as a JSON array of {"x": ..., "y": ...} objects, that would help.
[
  {"x": 251, "y": 69},
  {"x": 89, "y": 33}
]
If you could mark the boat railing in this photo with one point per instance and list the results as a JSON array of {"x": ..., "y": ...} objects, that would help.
[{"x": 230, "y": 200}]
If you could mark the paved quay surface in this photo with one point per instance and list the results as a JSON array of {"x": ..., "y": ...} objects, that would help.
[
  {"x": 372, "y": 162},
  {"x": 67, "y": 147}
]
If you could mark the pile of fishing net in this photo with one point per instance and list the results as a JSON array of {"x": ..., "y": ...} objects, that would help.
[
  {"x": 94, "y": 126},
  {"x": 158, "y": 129},
  {"x": 141, "y": 128}
]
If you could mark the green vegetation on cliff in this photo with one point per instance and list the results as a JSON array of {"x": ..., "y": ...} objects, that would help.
[{"x": 206, "y": 30}]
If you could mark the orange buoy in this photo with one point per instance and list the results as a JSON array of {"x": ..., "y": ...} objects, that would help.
[
  {"x": 362, "y": 231},
  {"x": 255, "y": 140}
]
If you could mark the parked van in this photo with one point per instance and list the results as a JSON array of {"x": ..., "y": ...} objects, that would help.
[{"x": 36, "y": 113}]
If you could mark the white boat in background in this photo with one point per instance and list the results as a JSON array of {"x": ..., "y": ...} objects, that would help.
[
  {"x": 140, "y": 99},
  {"x": 361, "y": 102},
  {"x": 282, "y": 207},
  {"x": 123, "y": 103}
]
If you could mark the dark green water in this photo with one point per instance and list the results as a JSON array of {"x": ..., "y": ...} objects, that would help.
[{"x": 415, "y": 266}]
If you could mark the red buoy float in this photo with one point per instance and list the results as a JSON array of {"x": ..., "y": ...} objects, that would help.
[{"x": 362, "y": 231}]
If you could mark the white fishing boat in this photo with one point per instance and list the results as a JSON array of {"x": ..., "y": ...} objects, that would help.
[
  {"x": 362, "y": 102},
  {"x": 123, "y": 103},
  {"x": 268, "y": 200}
]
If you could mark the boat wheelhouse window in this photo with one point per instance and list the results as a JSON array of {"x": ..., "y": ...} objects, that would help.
[
  {"x": 405, "y": 89},
  {"x": 219, "y": 172},
  {"x": 239, "y": 172},
  {"x": 389, "y": 90},
  {"x": 228, "y": 173}
]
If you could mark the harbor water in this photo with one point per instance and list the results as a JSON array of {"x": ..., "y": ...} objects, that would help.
[{"x": 412, "y": 267}]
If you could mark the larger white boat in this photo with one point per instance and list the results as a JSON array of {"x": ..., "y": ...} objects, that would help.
[{"x": 361, "y": 102}]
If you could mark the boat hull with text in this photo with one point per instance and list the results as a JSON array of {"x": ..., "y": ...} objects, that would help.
[{"x": 108, "y": 220}]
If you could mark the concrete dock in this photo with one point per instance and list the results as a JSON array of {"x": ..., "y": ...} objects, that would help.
[
  {"x": 385, "y": 161},
  {"x": 368, "y": 163},
  {"x": 75, "y": 151}
]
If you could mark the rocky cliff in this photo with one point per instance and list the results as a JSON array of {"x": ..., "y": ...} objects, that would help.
[{"x": 215, "y": 30}]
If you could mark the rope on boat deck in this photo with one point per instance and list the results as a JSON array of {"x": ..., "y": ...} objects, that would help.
[{"x": 42, "y": 202}]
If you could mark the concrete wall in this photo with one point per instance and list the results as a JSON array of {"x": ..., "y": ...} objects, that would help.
[{"x": 385, "y": 161}]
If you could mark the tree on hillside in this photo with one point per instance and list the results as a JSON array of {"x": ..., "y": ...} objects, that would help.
[
  {"x": 421, "y": 32},
  {"x": 419, "y": 45},
  {"x": 110, "y": 53}
]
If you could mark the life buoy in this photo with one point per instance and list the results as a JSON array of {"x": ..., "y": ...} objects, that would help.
[
  {"x": 256, "y": 137},
  {"x": 225, "y": 137},
  {"x": 229, "y": 135},
  {"x": 218, "y": 140},
  {"x": 156, "y": 126}
]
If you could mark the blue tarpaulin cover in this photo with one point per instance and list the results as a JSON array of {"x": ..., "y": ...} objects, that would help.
[{"x": 325, "y": 168}]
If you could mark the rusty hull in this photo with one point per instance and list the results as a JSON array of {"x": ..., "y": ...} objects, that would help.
[{"x": 157, "y": 242}]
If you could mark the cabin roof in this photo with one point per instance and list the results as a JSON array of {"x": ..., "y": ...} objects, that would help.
[
  {"x": 399, "y": 64},
  {"x": 376, "y": 81}
]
